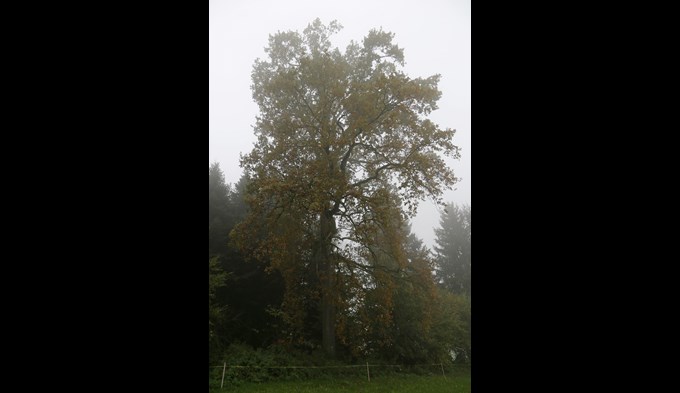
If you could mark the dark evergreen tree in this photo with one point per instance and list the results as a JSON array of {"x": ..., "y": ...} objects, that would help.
[
  {"x": 453, "y": 250},
  {"x": 241, "y": 291}
]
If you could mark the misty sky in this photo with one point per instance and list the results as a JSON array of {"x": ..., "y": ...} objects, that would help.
[{"x": 436, "y": 39}]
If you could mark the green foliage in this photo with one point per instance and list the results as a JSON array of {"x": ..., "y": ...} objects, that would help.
[{"x": 451, "y": 329}]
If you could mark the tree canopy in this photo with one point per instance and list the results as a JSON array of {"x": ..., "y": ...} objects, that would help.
[{"x": 341, "y": 137}]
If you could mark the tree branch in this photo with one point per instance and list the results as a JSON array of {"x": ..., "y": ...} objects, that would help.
[{"x": 376, "y": 174}]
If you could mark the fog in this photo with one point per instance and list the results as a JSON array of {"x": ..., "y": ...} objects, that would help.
[{"x": 436, "y": 39}]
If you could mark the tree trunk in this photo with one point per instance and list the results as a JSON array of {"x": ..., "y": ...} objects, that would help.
[{"x": 327, "y": 278}]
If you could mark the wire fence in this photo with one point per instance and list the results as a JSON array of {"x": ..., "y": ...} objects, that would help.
[{"x": 367, "y": 366}]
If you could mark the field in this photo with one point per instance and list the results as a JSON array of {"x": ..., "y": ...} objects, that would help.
[{"x": 457, "y": 383}]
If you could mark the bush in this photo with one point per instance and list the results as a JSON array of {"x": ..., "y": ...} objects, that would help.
[{"x": 262, "y": 365}]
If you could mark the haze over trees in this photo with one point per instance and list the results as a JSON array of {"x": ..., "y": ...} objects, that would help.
[
  {"x": 453, "y": 249},
  {"x": 312, "y": 249}
]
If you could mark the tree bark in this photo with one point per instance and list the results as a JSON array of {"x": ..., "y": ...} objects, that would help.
[{"x": 327, "y": 279}]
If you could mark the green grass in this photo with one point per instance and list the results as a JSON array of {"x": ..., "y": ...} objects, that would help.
[{"x": 459, "y": 382}]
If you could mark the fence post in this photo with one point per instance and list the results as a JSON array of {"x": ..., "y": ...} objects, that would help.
[
  {"x": 442, "y": 366},
  {"x": 368, "y": 373},
  {"x": 223, "y": 370}
]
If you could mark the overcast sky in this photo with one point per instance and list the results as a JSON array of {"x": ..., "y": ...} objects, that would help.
[{"x": 435, "y": 36}]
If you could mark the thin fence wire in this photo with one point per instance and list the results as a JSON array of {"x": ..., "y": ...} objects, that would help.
[
  {"x": 345, "y": 366},
  {"x": 224, "y": 367}
]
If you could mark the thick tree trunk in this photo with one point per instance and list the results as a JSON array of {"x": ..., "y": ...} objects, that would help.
[
  {"x": 327, "y": 278},
  {"x": 328, "y": 321}
]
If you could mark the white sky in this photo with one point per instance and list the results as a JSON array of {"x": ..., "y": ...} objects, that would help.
[{"x": 435, "y": 36}]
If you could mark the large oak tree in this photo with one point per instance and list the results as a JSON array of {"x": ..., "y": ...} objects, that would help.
[{"x": 337, "y": 135}]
